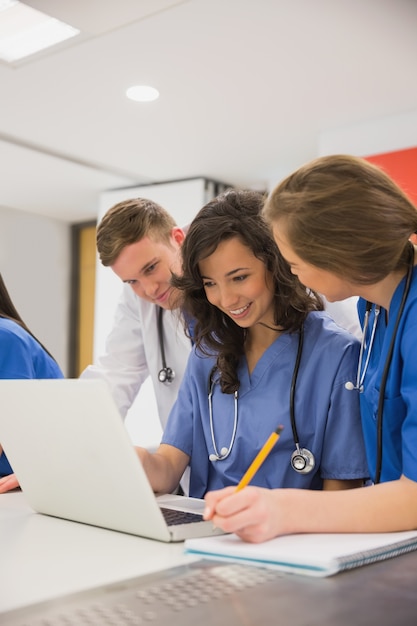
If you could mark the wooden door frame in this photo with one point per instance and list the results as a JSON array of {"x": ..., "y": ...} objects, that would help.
[{"x": 74, "y": 325}]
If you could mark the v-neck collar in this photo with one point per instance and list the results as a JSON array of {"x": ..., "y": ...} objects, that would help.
[{"x": 250, "y": 381}]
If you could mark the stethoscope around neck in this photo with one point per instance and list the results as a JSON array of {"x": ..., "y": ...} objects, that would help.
[
  {"x": 360, "y": 377},
  {"x": 166, "y": 374},
  {"x": 302, "y": 460}
]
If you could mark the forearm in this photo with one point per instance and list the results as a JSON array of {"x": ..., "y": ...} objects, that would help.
[
  {"x": 385, "y": 507},
  {"x": 163, "y": 471},
  {"x": 258, "y": 514}
]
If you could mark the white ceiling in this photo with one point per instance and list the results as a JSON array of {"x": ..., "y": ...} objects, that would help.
[{"x": 247, "y": 87}]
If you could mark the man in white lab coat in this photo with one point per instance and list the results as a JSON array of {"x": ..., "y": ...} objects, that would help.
[{"x": 141, "y": 243}]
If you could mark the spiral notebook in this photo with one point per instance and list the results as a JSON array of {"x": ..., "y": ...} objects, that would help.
[{"x": 307, "y": 554}]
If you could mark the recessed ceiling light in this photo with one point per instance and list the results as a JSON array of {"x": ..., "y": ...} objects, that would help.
[
  {"x": 24, "y": 31},
  {"x": 142, "y": 93}
]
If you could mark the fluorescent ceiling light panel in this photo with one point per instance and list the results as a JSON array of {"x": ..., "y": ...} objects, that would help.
[{"x": 25, "y": 31}]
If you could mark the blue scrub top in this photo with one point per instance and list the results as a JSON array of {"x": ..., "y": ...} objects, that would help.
[
  {"x": 327, "y": 415},
  {"x": 21, "y": 356},
  {"x": 399, "y": 436}
]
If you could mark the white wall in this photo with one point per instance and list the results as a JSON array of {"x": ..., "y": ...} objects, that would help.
[
  {"x": 387, "y": 134},
  {"x": 182, "y": 199},
  {"x": 35, "y": 264}
]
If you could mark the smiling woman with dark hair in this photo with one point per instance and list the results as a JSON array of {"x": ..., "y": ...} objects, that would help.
[{"x": 256, "y": 330}]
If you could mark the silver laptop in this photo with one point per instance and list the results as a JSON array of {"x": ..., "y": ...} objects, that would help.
[{"x": 73, "y": 457}]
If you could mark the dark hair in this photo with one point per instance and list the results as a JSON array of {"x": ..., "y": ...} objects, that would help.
[
  {"x": 345, "y": 215},
  {"x": 130, "y": 221},
  {"x": 236, "y": 214},
  {"x": 9, "y": 311}
]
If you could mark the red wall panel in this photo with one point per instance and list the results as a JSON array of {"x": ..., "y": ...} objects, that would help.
[{"x": 401, "y": 165}]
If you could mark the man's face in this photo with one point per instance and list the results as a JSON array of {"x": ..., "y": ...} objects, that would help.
[{"x": 147, "y": 266}]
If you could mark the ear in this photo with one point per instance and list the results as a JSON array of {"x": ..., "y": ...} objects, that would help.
[{"x": 178, "y": 235}]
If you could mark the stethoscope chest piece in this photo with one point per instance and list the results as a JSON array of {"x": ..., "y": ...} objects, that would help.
[
  {"x": 302, "y": 460},
  {"x": 166, "y": 375}
]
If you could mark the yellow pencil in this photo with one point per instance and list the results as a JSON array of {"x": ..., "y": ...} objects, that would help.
[{"x": 260, "y": 458}]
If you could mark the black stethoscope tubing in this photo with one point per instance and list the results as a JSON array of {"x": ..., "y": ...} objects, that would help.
[
  {"x": 302, "y": 460},
  {"x": 384, "y": 377},
  {"x": 293, "y": 385},
  {"x": 166, "y": 374}
]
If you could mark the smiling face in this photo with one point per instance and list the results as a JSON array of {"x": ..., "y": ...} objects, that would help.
[
  {"x": 147, "y": 266},
  {"x": 333, "y": 287},
  {"x": 237, "y": 283}
]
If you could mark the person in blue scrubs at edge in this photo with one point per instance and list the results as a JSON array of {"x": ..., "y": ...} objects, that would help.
[
  {"x": 21, "y": 356},
  {"x": 346, "y": 228},
  {"x": 253, "y": 322}
]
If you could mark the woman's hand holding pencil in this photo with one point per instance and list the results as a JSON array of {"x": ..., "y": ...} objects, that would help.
[{"x": 230, "y": 508}]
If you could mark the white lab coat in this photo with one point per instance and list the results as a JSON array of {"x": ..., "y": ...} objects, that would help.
[
  {"x": 345, "y": 314},
  {"x": 133, "y": 353}
]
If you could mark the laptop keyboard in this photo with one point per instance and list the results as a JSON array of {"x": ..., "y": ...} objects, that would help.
[{"x": 174, "y": 518}]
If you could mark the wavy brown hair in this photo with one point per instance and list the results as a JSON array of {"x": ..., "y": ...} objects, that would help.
[
  {"x": 236, "y": 214},
  {"x": 345, "y": 215}
]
